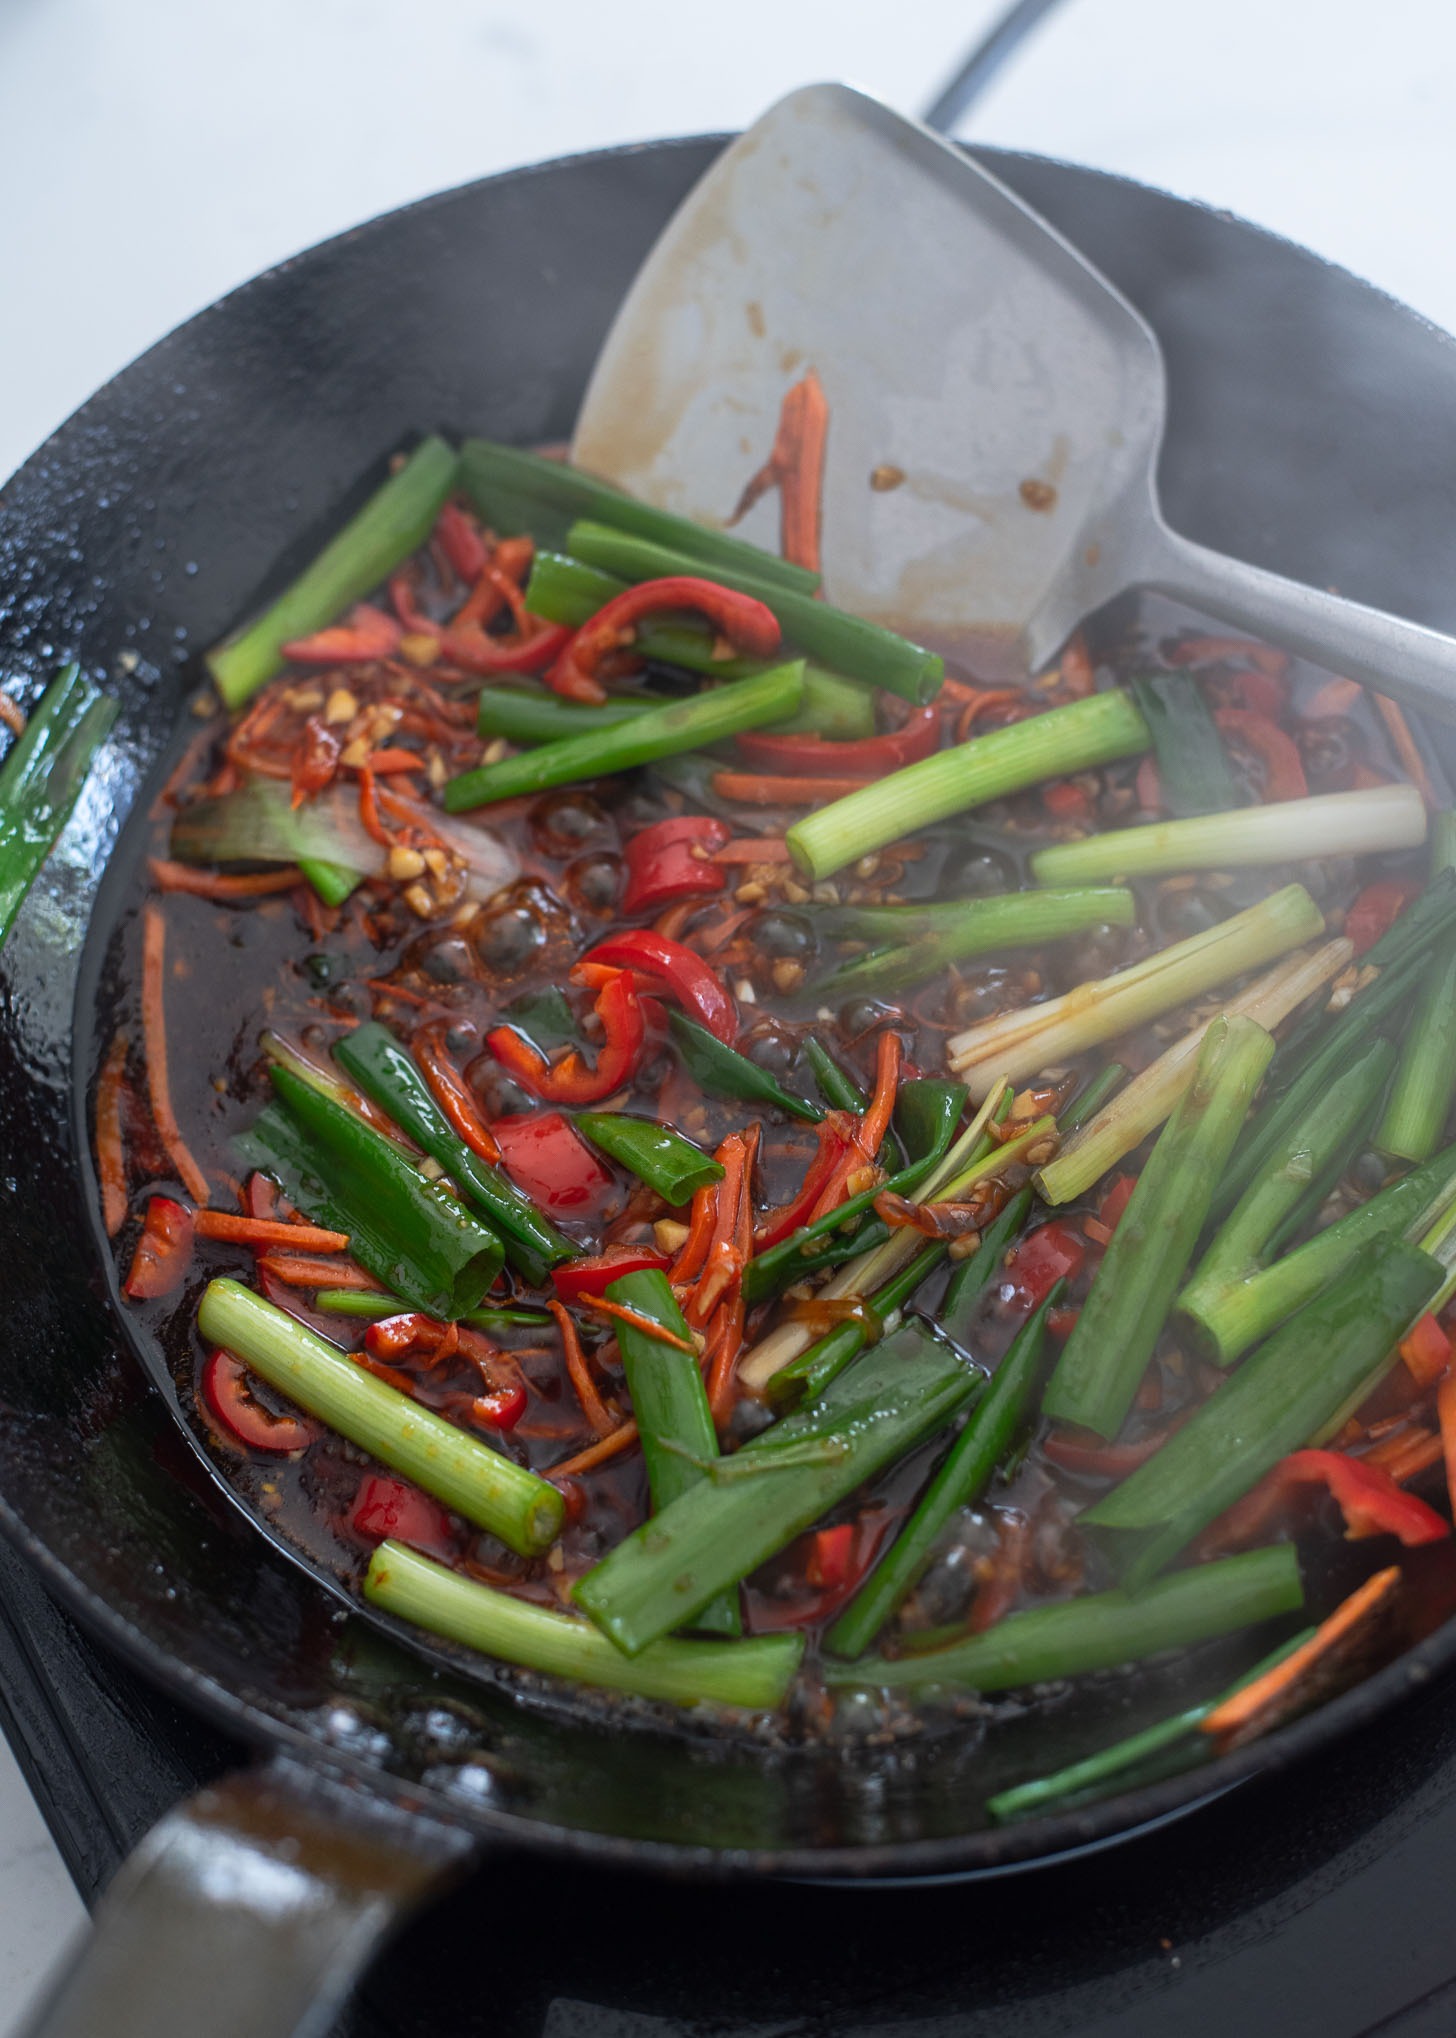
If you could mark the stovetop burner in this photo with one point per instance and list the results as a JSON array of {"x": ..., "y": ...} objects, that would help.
[{"x": 1316, "y": 1905}]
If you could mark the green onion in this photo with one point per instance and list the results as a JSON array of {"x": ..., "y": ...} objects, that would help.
[
  {"x": 258, "y": 823},
  {"x": 972, "y": 927},
  {"x": 1290, "y": 831},
  {"x": 927, "y": 1113},
  {"x": 386, "y": 1071},
  {"x": 1103, "y": 1630},
  {"x": 754, "y": 1674},
  {"x": 670, "y": 1568},
  {"x": 522, "y": 492},
  {"x": 1327, "y": 1135},
  {"x": 413, "y": 1236},
  {"x": 661, "y": 1158},
  {"x": 971, "y": 1279},
  {"x": 362, "y": 1302},
  {"x": 1079, "y": 1781},
  {"x": 1274, "y": 1404},
  {"x": 1193, "y": 767},
  {"x": 1020, "y": 1044},
  {"x": 657, "y": 732},
  {"x": 544, "y": 1017},
  {"x": 1107, "y": 1354},
  {"x": 396, "y": 520},
  {"x": 805, "y": 1378},
  {"x": 836, "y": 1086},
  {"x": 1096, "y": 1092},
  {"x": 42, "y": 778},
  {"x": 1228, "y": 1323},
  {"x": 1425, "y": 1083},
  {"x": 670, "y": 1403},
  {"x": 485, "y": 1486},
  {"x": 848, "y": 644},
  {"x": 1104, "y": 1135},
  {"x": 963, "y": 1475},
  {"x": 723, "y": 1072},
  {"x": 1088, "y": 732},
  {"x": 528, "y": 713}
]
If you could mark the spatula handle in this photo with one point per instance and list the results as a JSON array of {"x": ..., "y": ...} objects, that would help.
[{"x": 1414, "y": 665}]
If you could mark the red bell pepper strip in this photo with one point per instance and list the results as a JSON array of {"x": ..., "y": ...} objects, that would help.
[
  {"x": 316, "y": 759},
  {"x": 830, "y": 1555},
  {"x": 594, "y": 1274},
  {"x": 225, "y": 1390},
  {"x": 666, "y": 969},
  {"x": 1051, "y": 1253},
  {"x": 916, "y": 738},
  {"x": 369, "y": 633},
  {"x": 1116, "y": 1200},
  {"x": 459, "y": 538},
  {"x": 1426, "y": 1351},
  {"x": 1277, "y": 753},
  {"x": 571, "y": 1081},
  {"x": 672, "y": 860},
  {"x": 1367, "y": 1496},
  {"x": 545, "y": 1158},
  {"x": 413, "y": 620},
  {"x": 749, "y": 625},
  {"x": 475, "y": 650},
  {"x": 1375, "y": 910},
  {"x": 410, "y": 1330},
  {"x": 388, "y": 1508},
  {"x": 835, "y": 1140},
  {"x": 163, "y": 1252},
  {"x": 502, "y": 1408}
]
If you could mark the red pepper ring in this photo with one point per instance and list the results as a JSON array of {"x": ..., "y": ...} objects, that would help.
[
  {"x": 674, "y": 971},
  {"x": 672, "y": 860},
  {"x": 917, "y": 737},
  {"x": 226, "y": 1392},
  {"x": 571, "y": 1081},
  {"x": 163, "y": 1252},
  {"x": 750, "y": 626}
]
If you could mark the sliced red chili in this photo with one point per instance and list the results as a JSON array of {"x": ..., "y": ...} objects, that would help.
[
  {"x": 316, "y": 759},
  {"x": 1051, "y": 1253},
  {"x": 1375, "y": 911},
  {"x": 388, "y": 1508},
  {"x": 1366, "y": 1496},
  {"x": 572, "y": 1081},
  {"x": 830, "y": 1556},
  {"x": 672, "y": 860},
  {"x": 917, "y": 737},
  {"x": 461, "y": 541},
  {"x": 544, "y": 1157},
  {"x": 1276, "y": 752},
  {"x": 835, "y": 1139},
  {"x": 226, "y": 1391},
  {"x": 163, "y": 1252},
  {"x": 476, "y": 650},
  {"x": 666, "y": 968},
  {"x": 1116, "y": 1199},
  {"x": 749, "y": 625},
  {"x": 369, "y": 633},
  {"x": 502, "y": 1408}
]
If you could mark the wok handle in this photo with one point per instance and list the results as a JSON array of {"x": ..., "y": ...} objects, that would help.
[
  {"x": 250, "y": 1910},
  {"x": 1414, "y": 665}
]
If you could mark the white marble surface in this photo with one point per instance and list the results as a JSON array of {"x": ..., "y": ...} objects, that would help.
[{"x": 155, "y": 153}]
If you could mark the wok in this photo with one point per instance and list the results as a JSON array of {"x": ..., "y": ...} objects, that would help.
[{"x": 1313, "y": 430}]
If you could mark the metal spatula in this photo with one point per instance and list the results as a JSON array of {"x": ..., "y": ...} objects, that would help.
[{"x": 996, "y": 406}]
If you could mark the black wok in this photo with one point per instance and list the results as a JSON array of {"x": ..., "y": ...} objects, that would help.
[{"x": 1313, "y": 430}]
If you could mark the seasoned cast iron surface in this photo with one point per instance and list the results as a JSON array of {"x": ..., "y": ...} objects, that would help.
[{"x": 1314, "y": 428}]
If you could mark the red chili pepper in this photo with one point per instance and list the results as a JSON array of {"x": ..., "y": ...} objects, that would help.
[
  {"x": 502, "y": 1408},
  {"x": 830, "y": 1556},
  {"x": 1278, "y": 753},
  {"x": 1230, "y": 650},
  {"x": 544, "y": 1157},
  {"x": 665, "y": 968},
  {"x": 750, "y": 627},
  {"x": 916, "y": 738},
  {"x": 1116, "y": 1200},
  {"x": 571, "y": 1081},
  {"x": 413, "y": 620},
  {"x": 316, "y": 759},
  {"x": 394, "y": 1335},
  {"x": 1097, "y": 1460},
  {"x": 369, "y": 633},
  {"x": 225, "y": 1390},
  {"x": 1051, "y": 1253},
  {"x": 1375, "y": 911},
  {"x": 594, "y": 1275},
  {"x": 476, "y": 650},
  {"x": 1426, "y": 1351},
  {"x": 834, "y": 1141},
  {"x": 672, "y": 860},
  {"x": 1065, "y": 801},
  {"x": 1368, "y": 1498},
  {"x": 388, "y": 1507},
  {"x": 460, "y": 540},
  {"x": 163, "y": 1252}
]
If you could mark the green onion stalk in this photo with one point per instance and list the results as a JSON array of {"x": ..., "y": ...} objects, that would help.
[
  {"x": 1085, "y": 733},
  {"x": 1277, "y": 1402},
  {"x": 1113, "y": 1128},
  {"x": 1322, "y": 1141},
  {"x": 655, "y": 1154},
  {"x": 1364, "y": 823},
  {"x": 722, "y": 1072},
  {"x": 663, "y": 1575},
  {"x": 42, "y": 778},
  {"x": 1101, "y": 1631},
  {"x": 657, "y": 732},
  {"x": 837, "y": 1087},
  {"x": 1108, "y": 1352},
  {"x": 394, "y": 522},
  {"x": 847, "y": 644},
  {"x": 805, "y": 1378},
  {"x": 523, "y": 494},
  {"x": 1425, "y": 1083},
  {"x": 973, "y": 927},
  {"x": 482, "y": 1484},
  {"x": 372, "y": 1307},
  {"x": 1018, "y": 1045},
  {"x": 753, "y": 1674}
]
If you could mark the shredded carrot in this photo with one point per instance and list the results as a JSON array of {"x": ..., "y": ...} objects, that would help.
[
  {"x": 986, "y": 703},
  {"x": 592, "y": 1406},
  {"x": 369, "y": 807},
  {"x": 211, "y": 884},
  {"x": 876, "y": 1121},
  {"x": 596, "y": 1454},
  {"x": 722, "y": 1263},
  {"x": 1267, "y": 1699},
  {"x": 795, "y": 466},
  {"x": 1406, "y": 1456},
  {"x": 1406, "y": 749},
  {"x": 708, "y": 940},
  {"x": 450, "y": 1090},
  {"x": 154, "y": 1037},
  {"x": 762, "y": 789},
  {"x": 307, "y": 1273},
  {"x": 649, "y": 1327},
  {"x": 1335, "y": 697},
  {"x": 259, "y": 1231},
  {"x": 674, "y": 919},
  {"x": 701, "y": 1224},
  {"x": 12, "y": 714},
  {"x": 725, "y": 1346},
  {"x": 110, "y": 1149},
  {"x": 754, "y": 849}
]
